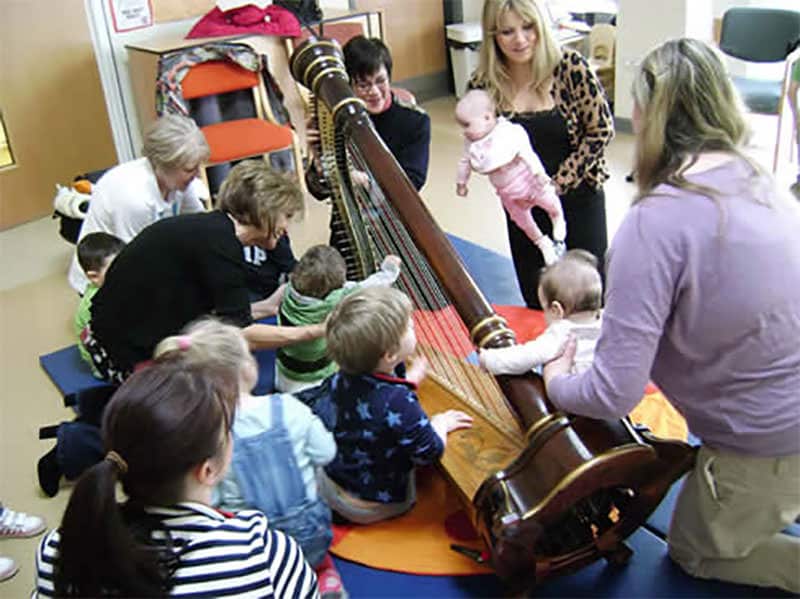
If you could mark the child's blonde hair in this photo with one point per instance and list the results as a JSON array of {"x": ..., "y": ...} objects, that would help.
[
  {"x": 320, "y": 271},
  {"x": 210, "y": 342},
  {"x": 574, "y": 282},
  {"x": 365, "y": 326}
]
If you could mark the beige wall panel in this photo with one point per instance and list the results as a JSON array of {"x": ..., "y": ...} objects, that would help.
[
  {"x": 414, "y": 30},
  {"x": 52, "y": 104},
  {"x": 175, "y": 10}
]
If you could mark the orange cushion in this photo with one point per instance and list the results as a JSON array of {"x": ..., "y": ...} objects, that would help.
[
  {"x": 231, "y": 140},
  {"x": 216, "y": 77}
]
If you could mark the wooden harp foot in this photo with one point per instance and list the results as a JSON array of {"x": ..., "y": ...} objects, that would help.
[{"x": 619, "y": 556}]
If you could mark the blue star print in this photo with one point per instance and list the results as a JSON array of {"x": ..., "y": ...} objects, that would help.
[
  {"x": 363, "y": 410},
  {"x": 361, "y": 457},
  {"x": 393, "y": 419},
  {"x": 423, "y": 421},
  {"x": 367, "y": 435},
  {"x": 384, "y": 497}
]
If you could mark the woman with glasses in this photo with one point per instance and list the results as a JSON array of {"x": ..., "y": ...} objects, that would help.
[
  {"x": 403, "y": 126},
  {"x": 554, "y": 95}
]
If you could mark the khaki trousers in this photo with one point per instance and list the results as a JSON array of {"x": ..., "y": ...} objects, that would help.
[{"x": 728, "y": 519}]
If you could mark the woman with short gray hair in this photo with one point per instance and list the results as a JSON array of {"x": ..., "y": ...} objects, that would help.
[{"x": 162, "y": 183}]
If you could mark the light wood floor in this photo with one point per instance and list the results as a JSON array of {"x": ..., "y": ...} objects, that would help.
[{"x": 36, "y": 307}]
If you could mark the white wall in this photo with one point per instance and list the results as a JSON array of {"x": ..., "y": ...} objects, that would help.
[
  {"x": 642, "y": 26},
  {"x": 334, "y": 4}
]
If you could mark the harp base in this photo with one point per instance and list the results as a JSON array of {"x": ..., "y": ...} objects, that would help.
[{"x": 536, "y": 530}]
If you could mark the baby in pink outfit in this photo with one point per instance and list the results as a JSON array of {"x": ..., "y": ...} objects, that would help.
[{"x": 501, "y": 149}]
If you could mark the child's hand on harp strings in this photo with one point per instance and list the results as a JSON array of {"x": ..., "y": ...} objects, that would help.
[
  {"x": 312, "y": 139},
  {"x": 417, "y": 369},
  {"x": 451, "y": 420}
]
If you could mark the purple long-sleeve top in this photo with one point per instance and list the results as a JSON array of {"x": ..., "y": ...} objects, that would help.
[{"x": 703, "y": 297}]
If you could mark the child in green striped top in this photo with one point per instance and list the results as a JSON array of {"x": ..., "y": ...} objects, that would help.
[{"x": 317, "y": 284}]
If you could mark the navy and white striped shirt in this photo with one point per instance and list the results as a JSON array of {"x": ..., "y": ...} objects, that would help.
[{"x": 218, "y": 556}]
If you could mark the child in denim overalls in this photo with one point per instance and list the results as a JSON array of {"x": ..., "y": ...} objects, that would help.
[{"x": 278, "y": 444}]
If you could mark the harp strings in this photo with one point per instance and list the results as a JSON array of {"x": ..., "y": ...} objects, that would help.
[
  {"x": 444, "y": 338},
  {"x": 340, "y": 234}
]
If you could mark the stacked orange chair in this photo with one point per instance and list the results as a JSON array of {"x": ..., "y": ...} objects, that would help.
[{"x": 237, "y": 139}]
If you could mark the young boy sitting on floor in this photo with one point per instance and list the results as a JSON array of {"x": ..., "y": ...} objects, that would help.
[
  {"x": 571, "y": 294},
  {"x": 381, "y": 430},
  {"x": 95, "y": 252},
  {"x": 316, "y": 285}
]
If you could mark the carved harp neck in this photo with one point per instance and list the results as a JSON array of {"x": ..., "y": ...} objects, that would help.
[{"x": 318, "y": 65}]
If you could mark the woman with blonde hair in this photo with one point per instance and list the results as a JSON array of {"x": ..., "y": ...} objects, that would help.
[
  {"x": 162, "y": 183},
  {"x": 703, "y": 297},
  {"x": 554, "y": 95}
]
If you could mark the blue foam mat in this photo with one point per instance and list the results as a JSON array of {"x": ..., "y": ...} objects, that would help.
[
  {"x": 649, "y": 573},
  {"x": 68, "y": 371},
  {"x": 493, "y": 273}
]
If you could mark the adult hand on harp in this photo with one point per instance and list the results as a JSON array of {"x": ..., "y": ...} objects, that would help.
[{"x": 563, "y": 363}]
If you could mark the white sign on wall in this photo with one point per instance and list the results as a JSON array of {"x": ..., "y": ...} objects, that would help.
[{"x": 131, "y": 14}]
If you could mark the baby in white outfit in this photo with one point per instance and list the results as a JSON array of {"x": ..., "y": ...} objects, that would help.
[{"x": 571, "y": 294}]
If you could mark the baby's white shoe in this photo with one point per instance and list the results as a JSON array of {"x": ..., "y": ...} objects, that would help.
[
  {"x": 559, "y": 229},
  {"x": 545, "y": 245}
]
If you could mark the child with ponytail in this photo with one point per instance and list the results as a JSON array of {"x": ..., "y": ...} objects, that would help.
[{"x": 166, "y": 433}]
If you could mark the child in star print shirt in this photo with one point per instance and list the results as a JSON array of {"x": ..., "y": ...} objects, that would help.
[{"x": 381, "y": 431}]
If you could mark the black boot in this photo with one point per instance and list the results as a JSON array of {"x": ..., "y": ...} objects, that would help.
[{"x": 49, "y": 473}]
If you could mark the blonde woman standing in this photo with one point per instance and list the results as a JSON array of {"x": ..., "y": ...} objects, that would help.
[
  {"x": 554, "y": 95},
  {"x": 703, "y": 297}
]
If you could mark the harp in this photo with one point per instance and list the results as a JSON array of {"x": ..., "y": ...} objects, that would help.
[{"x": 549, "y": 492}]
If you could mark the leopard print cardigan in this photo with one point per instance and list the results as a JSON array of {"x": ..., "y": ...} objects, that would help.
[{"x": 581, "y": 101}]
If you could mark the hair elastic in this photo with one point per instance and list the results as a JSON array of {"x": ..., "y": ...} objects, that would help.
[
  {"x": 116, "y": 459},
  {"x": 184, "y": 342}
]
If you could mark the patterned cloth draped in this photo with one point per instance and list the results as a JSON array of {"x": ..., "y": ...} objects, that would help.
[{"x": 174, "y": 66}]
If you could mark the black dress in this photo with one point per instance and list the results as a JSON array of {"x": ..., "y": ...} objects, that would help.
[{"x": 584, "y": 207}]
